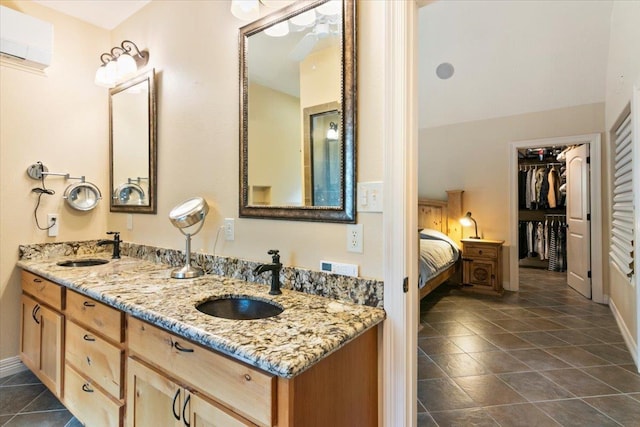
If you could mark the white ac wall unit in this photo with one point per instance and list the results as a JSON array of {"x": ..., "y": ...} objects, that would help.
[{"x": 25, "y": 40}]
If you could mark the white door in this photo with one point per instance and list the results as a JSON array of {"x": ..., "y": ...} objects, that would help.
[{"x": 578, "y": 232}]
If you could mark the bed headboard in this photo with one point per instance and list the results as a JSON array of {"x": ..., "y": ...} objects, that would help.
[{"x": 442, "y": 215}]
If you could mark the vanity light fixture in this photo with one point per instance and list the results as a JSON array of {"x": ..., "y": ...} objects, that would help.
[
  {"x": 332, "y": 133},
  {"x": 188, "y": 213},
  {"x": 247, "y": 10},
  {"x": 122, "y": 62},
  {"x": 467, "y": 221}
]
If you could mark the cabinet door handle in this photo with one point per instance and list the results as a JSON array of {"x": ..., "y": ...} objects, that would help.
[
  {"x": 36, "y": 280},
  {"x": 88, "y": 304},
  {"x": 184, "y": 412},
  {"x": 88, "y": 337},
  {"x": 34, "y": 313},
  {"x": 176, "y": 414},
  {"x": 181, "y": 348},
  {"x": 87, "y": 388}
]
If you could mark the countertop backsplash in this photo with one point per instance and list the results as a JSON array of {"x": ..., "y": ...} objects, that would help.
[{"x": 350, "y": 289}]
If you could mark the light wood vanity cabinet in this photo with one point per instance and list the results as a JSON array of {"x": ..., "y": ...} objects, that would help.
[
  {"x": 42, "y": 330},
  {"x": 340, "y": 390},
  {"x": 94, "y": 361},
  {"x": 109, "y": 369}
]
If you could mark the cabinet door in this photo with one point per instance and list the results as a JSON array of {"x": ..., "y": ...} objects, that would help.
[
  {"x": 152, "y": 399},
  {"x": 30, "y": 334},
  {"x": 204, "y": 413},
  {"x": 41, "y": 343},
  {"x": 480, "y": 272},
  {"x": 51, "y": 361}
]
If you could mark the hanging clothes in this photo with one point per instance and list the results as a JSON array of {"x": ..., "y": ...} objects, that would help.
[
  {"x": 528, "y": 189},
  {"x": 540, "y": 241}
]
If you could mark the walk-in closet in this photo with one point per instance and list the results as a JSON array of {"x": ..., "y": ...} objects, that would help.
[{"x": 542, "y": 195}]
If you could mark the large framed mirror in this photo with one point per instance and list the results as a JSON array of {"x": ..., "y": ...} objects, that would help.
[
  {"x": 298, "y": 113},
  {"x": 132, "y": 145}
]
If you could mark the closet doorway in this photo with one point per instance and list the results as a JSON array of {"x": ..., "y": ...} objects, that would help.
[{"x": 576, "y": 249}]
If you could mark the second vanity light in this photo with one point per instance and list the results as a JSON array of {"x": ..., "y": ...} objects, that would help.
[{"x": 120, "y": 63}]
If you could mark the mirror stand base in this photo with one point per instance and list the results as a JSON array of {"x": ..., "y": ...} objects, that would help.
[{"x": 187, "y": 272}]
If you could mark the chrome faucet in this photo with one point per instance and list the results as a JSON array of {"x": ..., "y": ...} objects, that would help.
[
  {"x": 115, "y": 242},
  {"x": 274, "y": 268}
]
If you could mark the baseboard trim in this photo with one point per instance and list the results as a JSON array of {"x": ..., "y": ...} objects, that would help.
[
  {"x": 10, "y": 366},
  {"x": 628, "y": 337}
]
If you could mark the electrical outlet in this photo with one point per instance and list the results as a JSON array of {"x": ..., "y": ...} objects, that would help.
[
  {"x": 229, "y": 229},
  {"x": 54, "y": 222},
  {"x": 354, "y": 238}
]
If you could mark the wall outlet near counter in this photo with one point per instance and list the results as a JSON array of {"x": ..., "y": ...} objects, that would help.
[
  {"x": 229, "y": 229},
  {"x": 339, "y": 268},
  {"x": 53, "y": 222},
  {"x": 354, "y": 238}
]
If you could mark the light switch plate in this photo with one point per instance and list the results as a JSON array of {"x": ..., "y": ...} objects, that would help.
[{"x": 369, "y": 196}]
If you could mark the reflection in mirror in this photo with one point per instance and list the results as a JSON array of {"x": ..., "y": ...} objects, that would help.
[
  {"x": 133, "y": 145},
  {"x": 297, "y": 111}
]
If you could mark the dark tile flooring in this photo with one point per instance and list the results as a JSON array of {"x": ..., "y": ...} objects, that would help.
[
  {"x": 544, "y": 356},
  {"x": 25, "y": 402}
]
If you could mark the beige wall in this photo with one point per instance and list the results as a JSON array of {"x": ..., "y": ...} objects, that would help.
[
  {"x": 193, "y": 46},
  {"x": 623, "y": 71},
  {"x": 61, "y": 120},
  {"x": 474, "y": 157}
]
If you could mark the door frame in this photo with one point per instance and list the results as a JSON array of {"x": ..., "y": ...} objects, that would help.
[
  {"x": 635, "y": 122},
  {"x": 400, "y": 216},
  {"x": 595, "y": 195}
]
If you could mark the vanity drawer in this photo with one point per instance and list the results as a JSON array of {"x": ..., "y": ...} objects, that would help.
[
  {"x": 88, "y": 404},
  {"x": 42, "y": 289},
  {"x": 480, "y": 251},
  {"x": 246, "y": 390},
  {"x": 96, "y": 316},
  {"x": 99, "y": 360}
]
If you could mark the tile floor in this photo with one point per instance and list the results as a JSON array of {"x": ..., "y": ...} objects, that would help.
[
  {"x": 544, "y": 356},
  {"x": 25, "y": 402}
]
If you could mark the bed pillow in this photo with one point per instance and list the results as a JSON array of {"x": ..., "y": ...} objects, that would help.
[{"x": 429, "y": 233}]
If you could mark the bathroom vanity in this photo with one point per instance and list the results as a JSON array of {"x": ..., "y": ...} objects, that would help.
[{"x": 122, "y": 344}]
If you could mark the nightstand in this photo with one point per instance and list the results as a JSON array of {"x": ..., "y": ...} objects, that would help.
[{"x": 482, "y": 265}]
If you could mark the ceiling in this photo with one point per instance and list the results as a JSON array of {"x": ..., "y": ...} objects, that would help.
[
  {"x": 510, "y": 57},
  {"x": 106, "y": 14}
]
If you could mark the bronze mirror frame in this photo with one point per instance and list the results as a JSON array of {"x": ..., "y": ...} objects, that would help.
[
  {"x": 151, "y": 207},
  {"x": 346, "y": 212}
]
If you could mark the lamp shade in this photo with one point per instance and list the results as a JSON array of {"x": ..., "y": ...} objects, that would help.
[
  {"x": 247, "y": 10},
  {"x": 126, "y": 66}
]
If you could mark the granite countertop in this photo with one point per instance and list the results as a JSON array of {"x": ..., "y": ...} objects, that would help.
[{"x": 310, "y": 327}]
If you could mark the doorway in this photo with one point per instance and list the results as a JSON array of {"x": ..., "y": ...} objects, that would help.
[{"x": 592, "y": 193}]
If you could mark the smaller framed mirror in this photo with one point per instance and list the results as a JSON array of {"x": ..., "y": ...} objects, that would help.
[{"x": 132, "y": 145}]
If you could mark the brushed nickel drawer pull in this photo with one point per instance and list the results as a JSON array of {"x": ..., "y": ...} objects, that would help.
[
  {"x": 86, "y": 388},
  {"x": 88, "y": 337},
  {"x": 181, "y": 348},
  {"x": 88, "y": 304}
]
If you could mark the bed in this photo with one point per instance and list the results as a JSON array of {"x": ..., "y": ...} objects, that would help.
[{"x": 439, "y": 236}]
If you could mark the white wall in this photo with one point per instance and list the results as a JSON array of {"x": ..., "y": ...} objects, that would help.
[
  {"x": 622, "y": 72},
  {"x": 61, "y": 120}
]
